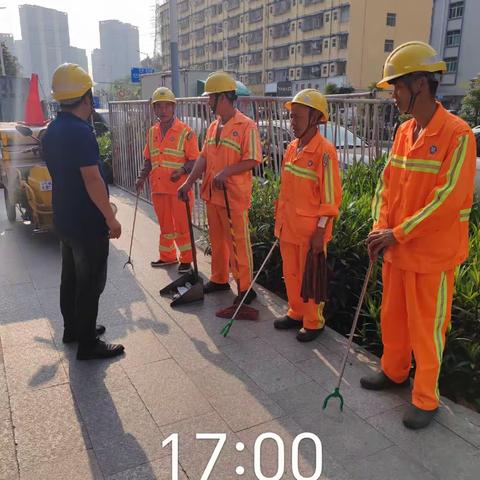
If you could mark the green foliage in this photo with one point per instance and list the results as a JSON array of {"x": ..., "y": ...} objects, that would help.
[
  {"x": 331, "y": 89},
  {"x": 105, "y": 147},
  {"x": 262, "y": 224},
  {"x": 348, "y": 263},
  {"x": 470, "y": 110}
]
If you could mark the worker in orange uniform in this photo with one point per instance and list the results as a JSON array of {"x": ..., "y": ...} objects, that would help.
[
  {"x": 231, "y": 150},
  {"x": 309, "y": 200},
  {"x": 170, "y": 153},
  {"x": 421, "y": 210}
]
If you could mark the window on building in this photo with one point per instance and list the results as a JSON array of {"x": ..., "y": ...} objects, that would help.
[
  {"x": 325, "y": 70},
  {"x": 453, "y": 38},
  {"x": 327, "y": 17},
  {"x": 292, "y": 50},
  {"x": 335, "y": 15},
  {"x": 299, "y": 48},
  {"x": 452, "y": 64},
  {"x": 292, "y": 26},
  {"x": 455, "y": 10},
  {"x": 388, "y": 47},
  {"x": 334, "y": 42},
  {"x": 325, "y": 44},
  {"x": 391, "y": 19},
  {"x": 332, "y": 68}
]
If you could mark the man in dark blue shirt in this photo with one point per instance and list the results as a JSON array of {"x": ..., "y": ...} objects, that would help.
[{"x": 82, "y": 214}]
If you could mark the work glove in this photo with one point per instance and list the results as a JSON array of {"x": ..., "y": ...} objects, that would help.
[{"x": 314, "y": 282}]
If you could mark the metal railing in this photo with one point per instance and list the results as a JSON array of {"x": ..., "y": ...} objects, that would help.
[{"x": 360, "y": 127}]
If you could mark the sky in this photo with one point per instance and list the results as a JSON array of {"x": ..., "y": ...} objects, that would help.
[{"x": 83, "y": 18}]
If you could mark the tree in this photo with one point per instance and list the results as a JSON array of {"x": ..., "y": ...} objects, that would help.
[
  {"x": 470, "y": 109},
  {"x": 331, "y": 89},
  {"x": 154, "y": 62},
  {"x": 12, "y": 67}
]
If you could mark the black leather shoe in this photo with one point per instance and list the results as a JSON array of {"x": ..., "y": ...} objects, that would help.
[
  {"x": 379, "y": 381},
  {"x": 416, "y": 418},
  {"x": 252, "y": 295},
  {"x": 307, "y": 335},
  {"x": 162, "y": 263},
  {"x": 70, "y": 337},
  {"x": 211, "y": 287},
  {"x": 287, "y": 323},
  {"x": 99, "y": 350}
]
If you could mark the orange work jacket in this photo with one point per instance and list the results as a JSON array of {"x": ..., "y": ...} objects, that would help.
[
  {"x": 425, "y": 194},
  {"x": 310, "y": 188},
  {"x": 239, "y": 141},
  {"x": 168, "y": 153}
]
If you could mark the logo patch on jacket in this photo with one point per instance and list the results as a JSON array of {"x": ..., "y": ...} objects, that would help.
[
  {"x": 433, "y": 149},
  {"x": 172, "y": 139},
  {"x": 235, "y": 133},
  {"x": 310, "y": 163},
  {"x": 326, "y": 158}
]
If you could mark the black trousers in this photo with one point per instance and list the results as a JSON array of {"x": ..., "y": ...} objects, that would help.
[{"x": 84, "y": 274}]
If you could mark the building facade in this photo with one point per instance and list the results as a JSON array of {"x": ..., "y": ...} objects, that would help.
[
  {"x": 118, "y": 53},
  {"x": 454, "y": 35},
  {"x": 45, "y": 44},
  {"x": 282, "y": 46}
]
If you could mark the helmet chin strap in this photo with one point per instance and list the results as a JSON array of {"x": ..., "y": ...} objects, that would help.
[
  {"x": 215, "y": 103},
  {"x": 413, "y": 96},
  {"x": 309, "y": 125}
]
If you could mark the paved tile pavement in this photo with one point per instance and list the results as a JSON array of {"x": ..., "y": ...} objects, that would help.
[{"x": 63, "y": 419}]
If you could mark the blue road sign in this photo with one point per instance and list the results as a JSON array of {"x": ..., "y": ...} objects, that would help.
[
  {"x": 96, "y": 101},
  {"x": 137, "y": 71}
]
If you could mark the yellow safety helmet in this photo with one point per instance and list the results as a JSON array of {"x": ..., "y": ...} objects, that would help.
[
  {"x": 69, "y": 82},
  {"x": 219, "y": 82},
  {"x": 163, "y": 94},
  {"x": 408, "y": 58},
  {"x": 311, "y": 98}
]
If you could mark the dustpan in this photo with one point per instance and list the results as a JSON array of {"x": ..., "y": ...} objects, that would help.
[{"x": 189, "y": 287}]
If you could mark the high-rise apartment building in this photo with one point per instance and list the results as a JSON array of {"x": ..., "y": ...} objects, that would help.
[
  {"x": 45, "y": 44},
  {"x": 118, "y": 53},
  {"x": 282, "y": 46},
  {"x": 454, "y": 35}
]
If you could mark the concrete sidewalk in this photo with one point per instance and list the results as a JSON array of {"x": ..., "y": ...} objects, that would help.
[{"x": 63, "y": 419}]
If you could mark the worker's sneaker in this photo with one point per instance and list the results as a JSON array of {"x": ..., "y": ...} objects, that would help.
[
  {"x": 252, "y": 295},
  {"x": 286, "y": 323},
  {"x": 379, "y": 381},
  {"x": 416, "y": 418},
  {"x": 99, "y": 350},
  {"x": 184, "y": 268},
  {"x": 307, "y": 335},
  {"x": 162, "y": 263},
  {"x": 211, "y": 287},
  {"x": 70, "y": 337}
]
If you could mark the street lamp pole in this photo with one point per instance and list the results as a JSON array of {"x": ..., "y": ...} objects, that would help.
[{"x": 174, "y": 47}]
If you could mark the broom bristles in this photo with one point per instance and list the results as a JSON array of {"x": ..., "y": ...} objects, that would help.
[{"x": 245, "y": 313}]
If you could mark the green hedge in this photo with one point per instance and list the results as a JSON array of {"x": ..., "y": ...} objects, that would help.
[{"x": 348, "y": 262}]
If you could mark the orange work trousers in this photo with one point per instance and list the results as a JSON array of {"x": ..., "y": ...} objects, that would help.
[
  {"x": 223, "y": 255},
  {"x": 172, "y": 218},
  {"x": 416, "y": 312},
  {"x": 293, "y": 259}
]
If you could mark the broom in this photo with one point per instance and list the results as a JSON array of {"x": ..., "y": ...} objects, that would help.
[
  {"x": 243, "y": 312},
  {"x": 236, "y": 308}
]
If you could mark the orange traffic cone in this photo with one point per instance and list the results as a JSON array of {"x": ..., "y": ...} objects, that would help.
[{"x": 33, "y": 108}]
